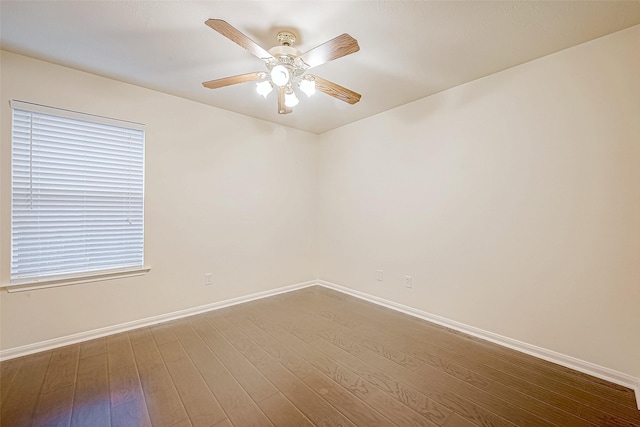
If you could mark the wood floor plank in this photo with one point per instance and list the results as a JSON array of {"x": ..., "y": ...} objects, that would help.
[
  {"x": 514, "y": 413},
  {"x": 163, "y": 402},
  {"x": 91, "y": 404},
  {"x": 237, "y": 404},
  {"x": 119, "y": 351},
  {"x": 426, "y": 401},
  {"x": 201, "y": 355},
  {"x": 8, "y": 370},
  {"x": 124, "y": 385},
  {"x": 163, "y": 332},
  {"x": 289, "y": 359},
  {"x": 602, "y": 418},
  {"x": 54, "y": 408},
  {"x": 306, "y": 400},
  {"x": 20, "y": 402},
  {"x": 358, "y": 411},
  {"x": 498, "y": 378},
  {"x": 132, "y": 412},
  {"x": 223, "y": 423},
  {"x": 128, "y": 405},
  {"x": 310, "y": 403},
  {"x": 576, "y": 393},
  {"x": 93, "y": 348},
  {"x": 607, "y": 390},
  {"x": 62, "y": 369},
  {"x": 183, "y": 423},
  {"x": 201, "y": 406},
  {"x": 140, "y": 336},
  {"x": 364, "y": 390},
  {"x": 455, "y": 420},
  {"x": 348, "y": 404},
  {"x": 55, "y": 404},
  {"x": 496, "y": 382},
  {"x": 235, "y": 401},
  {"x": 124, "y": 380},
  {"x": 281, "y": 412},
  {"x": 391, "y": 351},
  {"x": 255, "y": 384}
]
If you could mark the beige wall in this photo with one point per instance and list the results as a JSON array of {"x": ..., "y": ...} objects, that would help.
[
  {"x": 225, "y": 194},
  {"x": 513, "y": 201}
]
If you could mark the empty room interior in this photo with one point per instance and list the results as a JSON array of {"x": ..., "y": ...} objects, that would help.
[{"x": 353, "y": 213}]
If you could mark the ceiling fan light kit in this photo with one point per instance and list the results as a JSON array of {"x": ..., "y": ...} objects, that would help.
[{"x": 287, "y": 66}]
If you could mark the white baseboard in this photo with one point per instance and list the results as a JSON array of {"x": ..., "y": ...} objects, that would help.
[
  {"x": 542, "y": 353},
  {"x": 127, "y": 326}
]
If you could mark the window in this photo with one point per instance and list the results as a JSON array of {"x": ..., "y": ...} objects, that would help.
[{"x": 77, "y": 195}]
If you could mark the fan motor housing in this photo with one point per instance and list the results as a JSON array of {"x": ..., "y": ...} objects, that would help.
[{"x": 278, "y": 51}]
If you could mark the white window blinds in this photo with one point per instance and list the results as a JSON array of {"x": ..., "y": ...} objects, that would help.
[{"x": 77, "y": 194}]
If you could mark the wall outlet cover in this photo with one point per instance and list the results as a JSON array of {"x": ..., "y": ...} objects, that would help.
[
  {"x": 208, "y": 278},
  {"x": 408, "y": 282}
]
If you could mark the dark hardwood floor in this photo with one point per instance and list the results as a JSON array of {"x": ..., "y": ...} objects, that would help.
[{"x": 309, "y": 357}]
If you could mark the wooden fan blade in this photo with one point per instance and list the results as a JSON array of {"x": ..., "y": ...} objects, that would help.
[
  {"x": 282, "y": 109},
  {"x": 338, "y": 47},
  {"x": 224, "y": 28},
  {"x": 228, "y": 81},
  {"x": 337, "y": 91}
]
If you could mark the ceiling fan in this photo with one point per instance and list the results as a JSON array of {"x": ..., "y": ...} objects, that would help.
[{"x": 287, "y": 67}]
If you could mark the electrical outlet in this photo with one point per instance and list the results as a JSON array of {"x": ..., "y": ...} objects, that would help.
[
  {"x": 208, "y": 278},
  {"x": 379, "y": 275},
  {"x": 408, "y": 282}
]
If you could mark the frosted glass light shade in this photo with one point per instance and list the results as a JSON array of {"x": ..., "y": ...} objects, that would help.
[
  {"x": 290, "y": 99},
  {"x": 280, "y": 75},
  {"x": 308, "y": 87},
  {"x": 264, "y": 88}
]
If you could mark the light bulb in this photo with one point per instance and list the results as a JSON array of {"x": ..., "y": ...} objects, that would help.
[
  {"x": 308, "y": 86},
  {"x": 290, "y": 99},
  {"x": 264, "y": 88},
  {"x": 280, "y": 75}
]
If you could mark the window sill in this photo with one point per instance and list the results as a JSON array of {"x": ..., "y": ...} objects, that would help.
[{"x": 35, "y": 284}]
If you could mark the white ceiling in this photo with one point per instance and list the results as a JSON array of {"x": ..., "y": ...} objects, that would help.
[{"x": 408, "y": 49}]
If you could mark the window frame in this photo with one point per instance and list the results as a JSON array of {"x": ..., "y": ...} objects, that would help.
[{"x": 76, "y": 277}]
